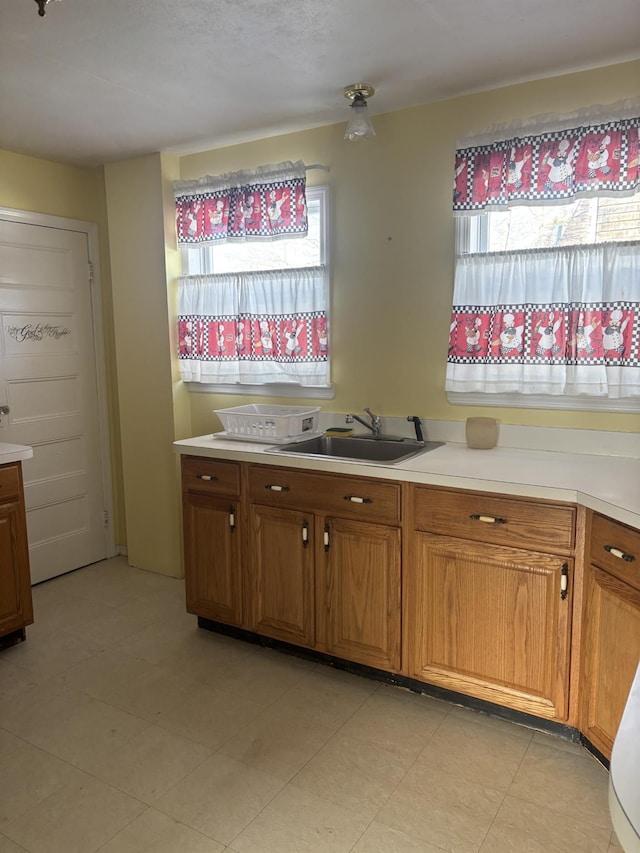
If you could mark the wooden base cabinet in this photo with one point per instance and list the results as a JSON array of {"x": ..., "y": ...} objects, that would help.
[
  {"x": 484, "y": 618},
  {"x": 16, "y": 608},
  {"x": 324, "y": 563},
  {"x": 490, "y": 622},
  {"x": 281, "y": 589},
  {"x": 360, "y": 571},
  {"x": 212, "y": 539},
  {"x": 611, "y": 650}
]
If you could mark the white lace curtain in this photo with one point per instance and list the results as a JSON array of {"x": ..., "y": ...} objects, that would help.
[
  {"x": 549, "y": 321},
  {"x": 254, "y": 327}
]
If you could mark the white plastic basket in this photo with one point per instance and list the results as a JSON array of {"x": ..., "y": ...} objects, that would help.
[{"x": 259, "y": 421}]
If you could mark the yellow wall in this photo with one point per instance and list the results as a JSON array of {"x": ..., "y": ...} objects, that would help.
[
  {"x": 40, "y": 186},
  {"x": 392, "y": 244},
  {"x": 153, "y": 408}
]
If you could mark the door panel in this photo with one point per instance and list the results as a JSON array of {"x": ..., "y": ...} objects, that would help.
[{"x": 48, "y": 379}]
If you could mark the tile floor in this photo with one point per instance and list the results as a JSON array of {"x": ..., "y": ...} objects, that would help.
[{"x": 124, "y": 728}]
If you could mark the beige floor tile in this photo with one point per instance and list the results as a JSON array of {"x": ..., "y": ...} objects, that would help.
[
  {"x": 279, "y": 741},
  {"x": 155, "y": 643},
  {"x": 29, "y": 775},
  {"x": 9, "y": 846},
  {"x": 13, "y": 681},
  {"x": 8, "y": 744},
  {"x": 78, "y": 817},
  {"x": 496, "y": 723},
  {"x": 328, "y": 697},
  {"x": 208, "y": 716},
  {"x": 104, "y": 674},
  {"x": 400, "y": 723},
  {"x": 574, "y": 785},
  {"x": 42, "y": 658},
  {"x": 147, "y": 765},
  {"x": 75, "y": 727},
  {"x": 441, "y": 809},
  {"x": 154, "y": 832},
  {"x": 379, "y": 838},
  {"x": 544, "y": 830},
  {"x": 32, "y": 709},
  {"x": 299, "y": 822},
  {"x": 478, "y": 753},
  {"x": 357, "y": 775},
  {"x": 220, "y": 797}
]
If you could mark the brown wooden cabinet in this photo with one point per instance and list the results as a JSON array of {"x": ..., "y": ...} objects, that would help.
[
  {"x": 359, "y": 589},
  {"x": 212, "y": 539},
  {"x": 281, "y": 587},
  {"x": 483, "y": 617},
  {"x": 16, "y": 609},
  {"x": 324, "y": 562},
  {"x": 611, "y": 649}
]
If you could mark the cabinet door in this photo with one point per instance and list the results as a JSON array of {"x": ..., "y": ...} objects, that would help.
[
  {"x": 612, "y": 653},
  {"x": 213, "y": 578},
  {"x": 16, "y": 609},
  {"x": 361, "y": 598},
  {"x": 281, "y": 586},
  {"x": 491, "y": 622}
]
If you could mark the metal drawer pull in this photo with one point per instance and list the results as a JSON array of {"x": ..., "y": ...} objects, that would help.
[
  {"x": 616, "y": 552},
  {"x": 277, "y": 488},
  {"x": 357, "y": 500},
  {"x": 232, "y": 520},
  {"x": 207, "y": 477},
  {"x": 305, "y": 533},
  {"x": 488, "y": 519},
  {"x": 325, "y": 538}
]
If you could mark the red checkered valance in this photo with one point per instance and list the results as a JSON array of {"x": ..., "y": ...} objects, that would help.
[
  {"x": 266, "y": 203},
  {"x": 599, "y": 159}
]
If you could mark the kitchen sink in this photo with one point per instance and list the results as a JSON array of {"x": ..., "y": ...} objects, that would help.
[{"x": 365, "y": 449}]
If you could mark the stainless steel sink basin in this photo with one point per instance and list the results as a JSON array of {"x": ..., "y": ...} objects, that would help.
[{"x": 385, "y": 450}]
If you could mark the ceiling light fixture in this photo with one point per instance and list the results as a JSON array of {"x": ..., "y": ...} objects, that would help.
[
  {"x": 359, "y": 126},
  {"x": 41, "y": 7}
]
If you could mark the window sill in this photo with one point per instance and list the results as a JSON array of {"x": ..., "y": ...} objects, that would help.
[
  {"x": 302, "y": 392},
  {"x": 630, "y": 405}
]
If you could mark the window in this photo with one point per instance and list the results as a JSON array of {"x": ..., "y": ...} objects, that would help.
[
  {"x": 264, "y": 306},
  {"x": 582, "y": 222},
  {"x": 546, "y": 308}
]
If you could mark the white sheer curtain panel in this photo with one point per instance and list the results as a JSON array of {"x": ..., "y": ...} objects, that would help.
[
  {"x": 547, "y": 321},
  {"x": 254, "y": 328}
]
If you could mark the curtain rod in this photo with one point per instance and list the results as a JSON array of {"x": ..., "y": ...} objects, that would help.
[{"x": 317, "y": 166}]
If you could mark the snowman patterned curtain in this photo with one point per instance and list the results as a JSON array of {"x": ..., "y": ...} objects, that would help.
[
  {"x": 548, "y": 167},
  {"x": 267, "y": 203},
  {"x": 548, "y": 321},
  {"x": 254, "y": 328}
]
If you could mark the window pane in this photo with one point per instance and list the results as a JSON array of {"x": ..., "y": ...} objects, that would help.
[
  {"x": 271, "y": 255},
  {"x": 587, "y": 220}
]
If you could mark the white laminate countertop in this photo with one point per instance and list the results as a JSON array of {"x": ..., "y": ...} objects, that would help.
[
  {"x": 607, "y": 484},
  {"x": 14, "y": 452},
  {"x": 624, "y": 779}
]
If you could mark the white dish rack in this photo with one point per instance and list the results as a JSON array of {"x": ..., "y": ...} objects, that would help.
[{"x": 273, "y": 424}]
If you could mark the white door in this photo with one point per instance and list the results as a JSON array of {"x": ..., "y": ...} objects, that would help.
[{"x": 48, "y": 381}]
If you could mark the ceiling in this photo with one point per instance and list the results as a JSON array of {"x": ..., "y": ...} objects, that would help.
[{"x": 101, "y": 80}]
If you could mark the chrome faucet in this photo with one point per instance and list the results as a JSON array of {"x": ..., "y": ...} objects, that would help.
[{"x": 376, "y": 423}]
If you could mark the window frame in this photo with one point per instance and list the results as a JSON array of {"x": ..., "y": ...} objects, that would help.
[{"x": 288, "y": 389}]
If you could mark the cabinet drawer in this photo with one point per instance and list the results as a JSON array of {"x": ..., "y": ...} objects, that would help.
[
  {"x": 616, "y": 549},
  {"x": 496, "y": 520},
  {"x": 210, "y": 476},
  {"x": 349, "y": 497},
  {"x": 9, "y": 481}
]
